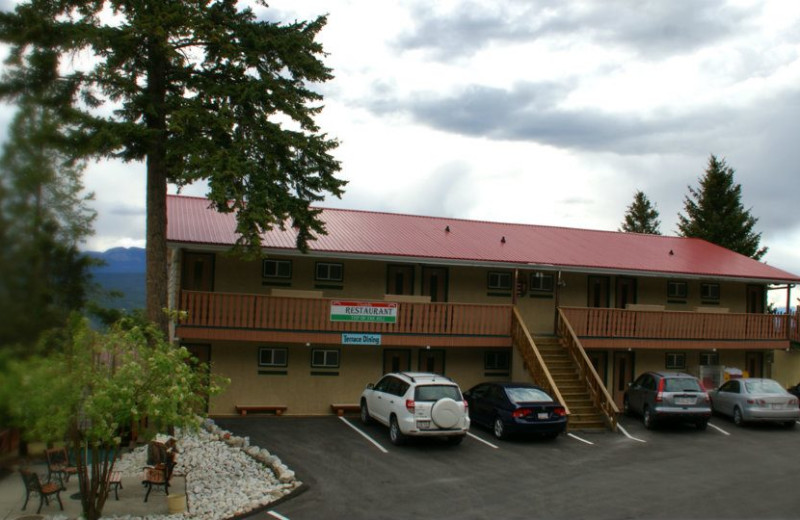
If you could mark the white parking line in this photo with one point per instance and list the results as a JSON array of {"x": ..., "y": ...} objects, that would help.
[
  {"x": 483, "y": 441},
  {"x": 279, "y": 516},
  {"x": 719, "y": 429},
  {"x": 578, "y": 438},
  {"x": 370, "y": 439},
  {"x": 628, "y": 435}
]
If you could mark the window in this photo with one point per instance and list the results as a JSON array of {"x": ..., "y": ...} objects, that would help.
[
  {"x": 276, "y": 268},
  {"x": 542, "y": 282},
  {"x": 709, "y": 291},
  {"x": 677, "y": 290},
  {"x": 709, "y": 359},
  {"x": 500, "y": 281},
  {"x": 675, "y": 361},
  {"x": 328, "y": 272},
  {"x": 272, "y": 357},
  {"x": 324, "y": 358},
  {"x": 497, "y": 360}
]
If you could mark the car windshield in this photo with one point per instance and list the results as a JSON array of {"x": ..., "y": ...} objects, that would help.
[
  {"x": 436, "y": 392},
  {"x": 527, "y": 395},
  {"x": 682, "y": 384},
  {"x": 763, "y": 386}
]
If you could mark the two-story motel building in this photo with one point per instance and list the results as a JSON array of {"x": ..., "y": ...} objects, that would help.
[{"x": 580, "y": 312}]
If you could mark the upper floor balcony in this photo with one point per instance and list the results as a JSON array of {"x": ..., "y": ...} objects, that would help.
[
  {"x": 252, "y": 317},
  {"x": 621, "y": 328}
]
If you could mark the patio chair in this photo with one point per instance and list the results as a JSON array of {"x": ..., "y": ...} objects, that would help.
[
  {"x": 34, "y": 485},
  {"x": 58, "y": 464},
  {"x": 158, "y": 476}
]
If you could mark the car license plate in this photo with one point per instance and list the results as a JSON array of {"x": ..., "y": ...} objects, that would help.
[
  {"x": 423, "y": 425},
  {"x": 542, "y": 415},
  {"x": 777, "y": 406},
  {"x": 684, "y": 400}
]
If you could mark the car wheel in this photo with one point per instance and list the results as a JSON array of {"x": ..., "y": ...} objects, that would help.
[
  {"x": 455, "y": 440},
  {"x": 702, "y": 425},
  {"x": 499, "y": 429},
  {"x": 738, "y": 419},
  {"x": 395, "y": 435},
  {"x": 647, "y": 418},
  {"x": 551, "y": 436},
  {"x": 790, "y": 424},
  {"x": 626, "y": 406},
  {"x": 365, "y": 418}
]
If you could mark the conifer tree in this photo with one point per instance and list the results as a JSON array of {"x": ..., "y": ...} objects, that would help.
[
  {"x": 199, "y": 90},
  {"x": 714, "y": 212},
  {"x": 44, "y": 217},
  {"x": 641, "y": 217}
]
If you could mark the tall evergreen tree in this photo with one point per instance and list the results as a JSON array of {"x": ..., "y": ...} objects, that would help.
[
  {"x": 714, "y": 212},
  {"x": 44, "y": 217},
  {"x": 198, "y": 90},
  {"x": 641, "y": 217}
]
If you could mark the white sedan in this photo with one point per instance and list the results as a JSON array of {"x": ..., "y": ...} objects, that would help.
[{"x": 756, "y": 400}]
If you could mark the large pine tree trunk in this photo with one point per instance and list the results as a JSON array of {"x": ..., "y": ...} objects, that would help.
[{"x": 155, "y": 117}]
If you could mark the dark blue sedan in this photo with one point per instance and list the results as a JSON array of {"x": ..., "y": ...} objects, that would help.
[{"x": 508, "y": 408}]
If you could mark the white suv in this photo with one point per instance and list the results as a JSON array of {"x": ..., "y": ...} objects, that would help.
[{"x": 416, "y": 404}]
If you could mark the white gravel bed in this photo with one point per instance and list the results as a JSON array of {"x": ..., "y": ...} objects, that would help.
[{"x": 225, "y": 476}]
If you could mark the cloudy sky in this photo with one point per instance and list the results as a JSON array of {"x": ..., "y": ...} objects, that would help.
[{"x": 544, "y": 111}]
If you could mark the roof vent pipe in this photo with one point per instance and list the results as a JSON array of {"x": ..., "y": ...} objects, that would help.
[{"x": 503, "y": 240}]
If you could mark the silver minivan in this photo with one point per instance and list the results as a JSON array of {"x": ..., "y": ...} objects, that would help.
[{"x": 668, "y": 396}]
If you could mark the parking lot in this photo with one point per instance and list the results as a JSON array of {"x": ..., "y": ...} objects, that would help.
[{"x": 352, "y": 471}]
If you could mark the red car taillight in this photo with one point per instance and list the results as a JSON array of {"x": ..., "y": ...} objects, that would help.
[
  {"x": 466, "y": 405},
  {"x": 410, "y": 405},
  {"x": 659, "y": 393},
  {"x": 560, "y": 411},
  {"x": 521, "y": 412}
]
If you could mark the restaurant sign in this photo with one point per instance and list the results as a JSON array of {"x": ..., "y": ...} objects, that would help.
[{"x": 380, "y": 312}]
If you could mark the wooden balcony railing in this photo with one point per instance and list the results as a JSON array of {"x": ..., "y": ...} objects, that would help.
[
  {"x": 621, "y": 323},
  {"x": 522, "y": 340},
  {"x": 601, "y": 399},
  {"x": 252, "y": 311}
]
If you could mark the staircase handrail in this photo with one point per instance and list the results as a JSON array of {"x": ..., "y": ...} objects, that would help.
[
  {"x": 538, "y": 362},
  {"x": 600, "y": 396}
]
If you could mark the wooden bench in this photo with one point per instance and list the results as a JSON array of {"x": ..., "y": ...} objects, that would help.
[
  {"x": 342, "y": 409},
  {"x": 244, "y": 408}
]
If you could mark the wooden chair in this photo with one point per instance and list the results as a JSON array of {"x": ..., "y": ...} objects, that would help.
[
  {"x": 34, "y": 485},
  {"x": 58, "y": 464},
  {"x": 158, "y": 476}
]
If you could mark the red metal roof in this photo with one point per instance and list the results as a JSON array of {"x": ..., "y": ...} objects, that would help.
[{"x": 353, "y": 232}]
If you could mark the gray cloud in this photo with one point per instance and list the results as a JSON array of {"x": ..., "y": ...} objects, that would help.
[
  {"x": 531, "y": 112},
  {"x": 647, "y": 27}
]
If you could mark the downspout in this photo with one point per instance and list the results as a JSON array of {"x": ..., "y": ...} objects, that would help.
[{"x": 557, "y": 303}]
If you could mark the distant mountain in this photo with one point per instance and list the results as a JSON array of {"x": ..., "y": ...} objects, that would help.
[
  {"x": 120, "y": 260},
  {"x": 121, "y": 281}
]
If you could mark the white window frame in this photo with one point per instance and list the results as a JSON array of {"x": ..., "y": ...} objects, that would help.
[
  {"x": 675, "y": 361},
  {"x": 499, "y": 280},
  {"x": 542, "y": 282},
  {"x": 273, "y": 362},
  {"x": 276, "y": 271},
  {"x": 327, "y": 268},
  {"x": 707, "y": 290},
  {"x": 677, "y": 289},
  {"x": 497, "y": 360},
  {"x": 329, "y": 356}
]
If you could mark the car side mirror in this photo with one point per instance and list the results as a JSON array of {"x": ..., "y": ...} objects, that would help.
[{"x": 370, "y": 386}]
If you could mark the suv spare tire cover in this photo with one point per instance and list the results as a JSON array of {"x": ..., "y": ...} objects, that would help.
[{"x": 446, "y": 413}]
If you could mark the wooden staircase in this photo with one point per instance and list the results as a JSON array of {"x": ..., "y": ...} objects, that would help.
[{"x": 583, "y": 414}]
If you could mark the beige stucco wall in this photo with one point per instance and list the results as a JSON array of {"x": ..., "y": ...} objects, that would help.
[
  {"x": 786, "y": 367},
  {"x": 307, "y": 394}
]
